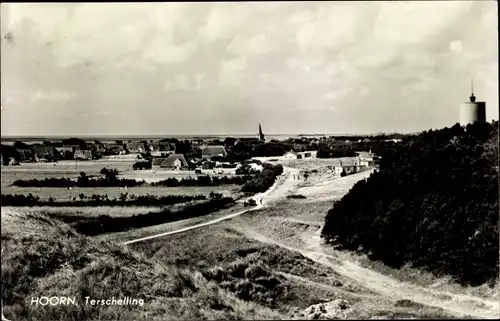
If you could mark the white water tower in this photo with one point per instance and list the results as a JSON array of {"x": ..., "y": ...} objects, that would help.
[{"x": 472, "y": 111}]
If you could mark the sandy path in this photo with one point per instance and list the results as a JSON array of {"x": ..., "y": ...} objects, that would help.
[
  {"x": 282, "y": 185},
  {"x": 459, "y": 305}
]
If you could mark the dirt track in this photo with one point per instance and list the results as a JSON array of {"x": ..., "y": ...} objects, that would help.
[{"x": 309, "y": 243}]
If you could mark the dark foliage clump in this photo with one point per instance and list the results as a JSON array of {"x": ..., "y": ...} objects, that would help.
[
  {"x": 107, "y": 224},
  {"x": 264, "y": 180},
  {"x": 203, "y": 180},
  {"x": 99, "y": 200},
  {"x": 433, "y": 203}
]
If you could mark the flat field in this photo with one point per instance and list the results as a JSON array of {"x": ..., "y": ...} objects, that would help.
[
  {"x": 64, "y": 194},
  {"x": 114, "y": 211},
  {"x": 71, "y": 169}
]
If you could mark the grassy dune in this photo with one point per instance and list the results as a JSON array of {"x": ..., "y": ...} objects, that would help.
[
  {"x": 46, "y": 257},
  {"x": 209, "y": 274}
]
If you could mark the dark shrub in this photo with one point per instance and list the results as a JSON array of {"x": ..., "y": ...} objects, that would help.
[{"x": 433, "y": 203}]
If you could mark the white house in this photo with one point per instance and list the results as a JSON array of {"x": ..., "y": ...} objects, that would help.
[
  {"x": 348, "y": 165},
  {"x": 255, "y": 166},
  {"x": 367, "y": 159},
  {"x": 291, "y": 155},
  {"x": 308, "y": 154},
  {"x": 210, "y": 151}
]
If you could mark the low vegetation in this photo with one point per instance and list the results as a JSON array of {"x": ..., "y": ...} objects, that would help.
[
  {"x": 433, "y": 204},
  {"x": 109, "y": 179},
  {"x": 45, "y": 257},
  {"x": 296, "y": 196},
  {"x": 203, "y": 180},
  {"x": 108, "y": 224},
  {"x": 263, "y": 180},
  {"x": 99, "y": 200}
]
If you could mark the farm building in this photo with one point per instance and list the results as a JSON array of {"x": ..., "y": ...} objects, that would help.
[
  {"x": 208, "y": 165},
  {"x": 166, "y": 146},
  {"x": 308, "y": 154},
  {"x": 73, "y": 147},
  {"x": 66, "y": 149},
  {"x": 174, "y": 161},
  {"x": 224, "y": 165},
  {"x": 136, "y": 147},
  {"x": 115, "y": 149},
  {"x": 208, "y": 152},
  {"x": 43, "y": 152},
  {"x": 197, "y": 142},
  {"x": 153, "y": 146},
  {"x": 292, "y": 155},
  {"x": 347, "y": 165},
  {"x": 300, "y": 155},
  {"x": 156, "y": 162},
  {"x": 368, "y": 159},
  {"x": 25, "y": 155},
  {"x": 157, "y": 153},
  {"x": 66, "y": 152},
  {"x": 83, "y": 154}
]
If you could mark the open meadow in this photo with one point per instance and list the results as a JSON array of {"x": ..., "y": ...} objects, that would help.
[
  {"x": 40, "y": 171},
  {"x": 115, "y": 192}
]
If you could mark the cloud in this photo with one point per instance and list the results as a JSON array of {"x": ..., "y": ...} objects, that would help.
[
  {"x": 337, "y": 95},
  {"x": 456, "y": 46},
  {"x": 221, "y": 25},
  {"x": 231, "y": 72},
  {"x": 400, "y": 23},
  {"x": 260, "y": 44},
  {"x": 53, "y": 96},
  {"x": 315, "y": 27},
  {"x": 312, "y": 57},
  {"x": 180, "y": 82}
]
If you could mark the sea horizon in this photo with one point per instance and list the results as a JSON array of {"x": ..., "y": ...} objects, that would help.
[{"x": 7, "y": 138}]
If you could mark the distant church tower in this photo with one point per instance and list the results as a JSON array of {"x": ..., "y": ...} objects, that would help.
[
  {"x": 261, "y": 134},
  {"x": 473, "y": 111}
]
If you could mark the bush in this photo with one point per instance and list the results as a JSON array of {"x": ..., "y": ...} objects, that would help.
[
  {"x": 433, "y": 203},
  {"x": 264, "y": 180},
  {"x": 142, "y": 165},
  {"x": 296, "y": 196},
  {"x": 100, "y": 200},
  {"x": 110, "y": 179},
  {"x": 106, "y": 224},
  {"x": 203, "y": 180}
]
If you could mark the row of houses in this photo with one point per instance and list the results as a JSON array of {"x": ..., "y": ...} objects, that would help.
[
  {"x": 180, "y": 162},
  {"x": 41, "y": 153}
]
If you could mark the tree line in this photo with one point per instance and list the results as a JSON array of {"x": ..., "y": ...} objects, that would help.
[
  {"x": 202, "y": 180},
  {"x": 433, "y": 204},
  {"x": 84, "y": 181},
  {"x": 95, "y": 200},
  {"x": 108, "y": 224}
]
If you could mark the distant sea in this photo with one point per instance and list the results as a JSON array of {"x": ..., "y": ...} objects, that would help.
[{"x": 107, "y": 138}]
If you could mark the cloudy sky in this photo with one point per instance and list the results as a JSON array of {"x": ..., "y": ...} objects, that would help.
[{"x": 215, "y": 68}]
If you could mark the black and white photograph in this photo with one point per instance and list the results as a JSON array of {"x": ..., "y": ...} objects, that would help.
[{"x": 260, "y": 160}]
